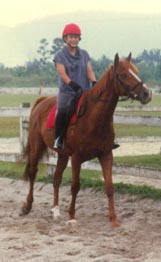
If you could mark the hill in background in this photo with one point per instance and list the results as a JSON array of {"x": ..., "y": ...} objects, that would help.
[{"x": 102, "y": 34}]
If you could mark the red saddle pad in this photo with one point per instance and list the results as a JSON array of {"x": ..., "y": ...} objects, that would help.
[{"x": 50, "y": 122}]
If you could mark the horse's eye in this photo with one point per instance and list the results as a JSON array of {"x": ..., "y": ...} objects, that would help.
[{"x": 123, "y": 76}]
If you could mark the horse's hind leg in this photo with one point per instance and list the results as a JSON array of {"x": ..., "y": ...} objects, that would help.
[
  {"x": 36, "y": 149},
  {"x": 76, "y": 165},
  {"x": 61, "y": 165},
  {"x": 31, "y": 170}
]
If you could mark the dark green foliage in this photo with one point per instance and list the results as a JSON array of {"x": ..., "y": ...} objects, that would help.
[
  {"x": 57, "y": 45},
  {"x": 141, "y": 191},
  {"x": 100, "y": 65},
  {"x": 44, "y": 53},
  {"x": 41, "y": 71}
]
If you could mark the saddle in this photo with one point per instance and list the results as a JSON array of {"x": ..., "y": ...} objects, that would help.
[{"x": 80, "y": 110}]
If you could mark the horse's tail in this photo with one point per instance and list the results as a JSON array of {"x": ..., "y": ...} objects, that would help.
[
  {"x": 27, "y": 147},
  {"x": 33, "y": 148},
  {"x": 27, "y": 150},
  {"x": 25, "y": 157}
]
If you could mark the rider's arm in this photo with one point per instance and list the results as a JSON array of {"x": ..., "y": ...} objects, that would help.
[
  {"x": 90, "y": 73},
  {"x": 62, "y": 73}
]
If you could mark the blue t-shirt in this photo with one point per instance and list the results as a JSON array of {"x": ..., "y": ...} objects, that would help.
[{"x": 76, "y": 69}]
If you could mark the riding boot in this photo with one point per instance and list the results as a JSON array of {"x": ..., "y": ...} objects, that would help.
[
  {"x": 58, "y": 143},
  {"x": 115, "y": 145},
  {"x": 59, "y": 129},
  {"x": 62, "y": 122}
]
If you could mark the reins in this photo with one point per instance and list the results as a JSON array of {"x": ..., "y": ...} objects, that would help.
[
  {"x": 118, "y": 81},
  {"x": 96, "y": 98}
]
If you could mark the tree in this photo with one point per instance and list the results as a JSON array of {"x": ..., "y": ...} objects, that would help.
[
  {"x": 2, "y": 68},
  {"x": 33, "y": 67},
  {"x": 150, "y": 57},
  {"x": 57, "y": 45},
  {"x": 100, "y": 65},
  {"x": 43, "y": 52}
]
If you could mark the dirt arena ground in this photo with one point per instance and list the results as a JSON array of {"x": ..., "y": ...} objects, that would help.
[{"x": 37, "y": 238}]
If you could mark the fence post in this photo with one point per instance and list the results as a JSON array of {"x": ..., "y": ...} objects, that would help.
[
  {"x": 51, "y": 168},
  {"x": 24, "y": 126}
]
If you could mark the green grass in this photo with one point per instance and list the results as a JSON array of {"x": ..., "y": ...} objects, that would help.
[
  {"x": 150, "y": 161},
  {"x": 140, "y": 191},
  {"x": 131, "y": 130},
  {"x": 9, "y": 127},
  {"x": 16, "y": 100},
  {"x": 89, "y": 179},
  {"x": 156, "y": 101}
]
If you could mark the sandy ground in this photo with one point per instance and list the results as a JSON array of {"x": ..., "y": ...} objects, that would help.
[{"x": 38, "y": 238}]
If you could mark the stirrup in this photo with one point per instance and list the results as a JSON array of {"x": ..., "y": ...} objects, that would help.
[{"x": 58, "y": 143}]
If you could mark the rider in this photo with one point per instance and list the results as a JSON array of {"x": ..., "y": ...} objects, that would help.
[{"x": 75, "y": 74}]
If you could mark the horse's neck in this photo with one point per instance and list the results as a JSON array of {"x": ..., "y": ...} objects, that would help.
[{"x": 103, "y": 95}]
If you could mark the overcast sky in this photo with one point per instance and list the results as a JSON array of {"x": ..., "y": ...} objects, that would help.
[{"x": 17, "y": 11}]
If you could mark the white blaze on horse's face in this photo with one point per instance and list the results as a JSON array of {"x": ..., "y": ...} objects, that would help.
[
  {"x": 144, "y": 95},
  {"x": 134, "y": 75},
  {"x": 144, "y": 85}
]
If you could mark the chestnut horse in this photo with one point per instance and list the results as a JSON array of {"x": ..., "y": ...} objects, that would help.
[{"x": 91, "y": 136}]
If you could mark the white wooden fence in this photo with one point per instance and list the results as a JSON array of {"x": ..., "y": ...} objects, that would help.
[{"x": 23, "y": 113}]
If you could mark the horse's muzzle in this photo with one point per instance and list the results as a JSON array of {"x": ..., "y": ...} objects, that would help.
[{"x": 145, "y": 96}]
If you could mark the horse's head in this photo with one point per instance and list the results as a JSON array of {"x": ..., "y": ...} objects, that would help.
[{"x": 127, "y": 81}]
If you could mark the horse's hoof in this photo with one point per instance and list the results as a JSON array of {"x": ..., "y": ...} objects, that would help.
[
  {"x": 24, "y": 211},
  {"x": 56, "y": 213},
  {"x": 115, "y": 223},
  {"x": 71, "y": 222}
]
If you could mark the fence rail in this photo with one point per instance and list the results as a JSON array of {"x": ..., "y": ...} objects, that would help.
[
  {"x": 89, "y": 165},
  {"x": 14, "y": 112},
  {"x": 118, "y": 118},
  {"x": 23, "y": 113}
]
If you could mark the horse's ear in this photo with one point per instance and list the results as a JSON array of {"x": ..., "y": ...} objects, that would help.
[
  {"x": 116, "y": 61},
  {"x": 129, "y": 57}
]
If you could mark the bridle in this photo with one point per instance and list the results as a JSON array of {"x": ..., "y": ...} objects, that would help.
[
  {"x": 129, "y": 91},
  {"x": 120, "y": 83}
]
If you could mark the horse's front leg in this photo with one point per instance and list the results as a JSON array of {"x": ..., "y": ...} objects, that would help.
[
  {"x": 61, "y": 165},
  {"x": 106, "y": 163},
  {"x": 76, "y": 165}
]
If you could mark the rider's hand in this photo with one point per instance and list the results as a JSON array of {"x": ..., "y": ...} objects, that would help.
[
  {"x": 74, "y": 86},
  {"x": 94, "y": 82}
]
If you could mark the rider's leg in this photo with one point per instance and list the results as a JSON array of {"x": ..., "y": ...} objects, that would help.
[
  {"x": 66, "y": 107},
  {"x": 59, "y": 128}
]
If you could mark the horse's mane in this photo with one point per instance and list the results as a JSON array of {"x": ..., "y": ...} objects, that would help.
[
  {"x": 101, "y": 83},
  {"x": 105, "y": 78}
]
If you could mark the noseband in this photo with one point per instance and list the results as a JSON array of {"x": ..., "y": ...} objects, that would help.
[{"x": 129, "y": 91}]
